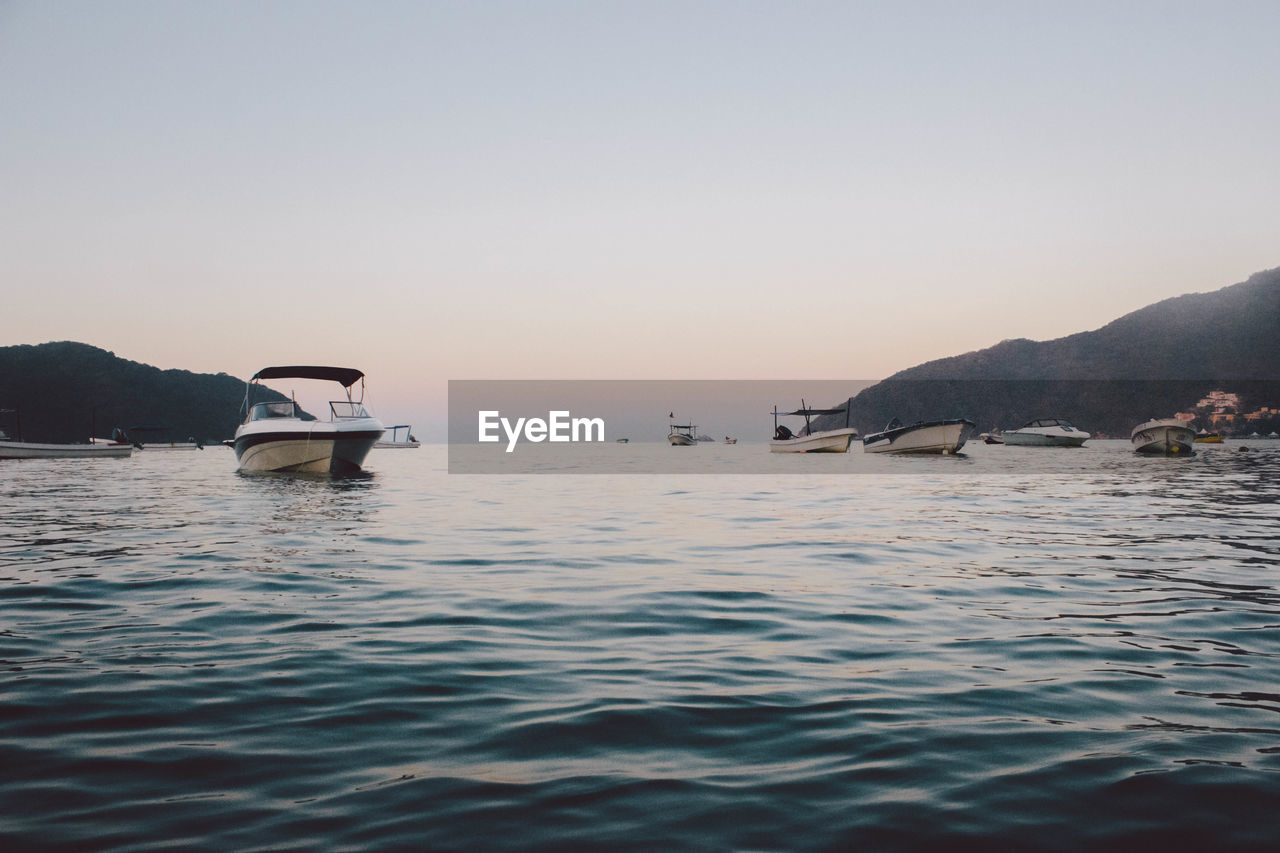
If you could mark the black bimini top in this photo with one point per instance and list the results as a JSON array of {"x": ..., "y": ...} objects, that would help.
[
  {"x": 839, "y": 411},
  {"x": 347, "y": 376}
]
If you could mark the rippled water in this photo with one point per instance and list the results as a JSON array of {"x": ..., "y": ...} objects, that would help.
[{"x": 193, "y": 658}]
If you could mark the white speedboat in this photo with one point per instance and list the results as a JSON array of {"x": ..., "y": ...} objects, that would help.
[
  {"x": 275, "y": 436},
  {"x": 944, "y": 437},
  {"x": 397, "y": 443},
  {"x": 728, "y": 440},
  {"x": 682, "y": 435},
  {"x": 822, "y": 441},
  {"x": 1045, "y": 432},
  {"x": 1168, "y": 436}
]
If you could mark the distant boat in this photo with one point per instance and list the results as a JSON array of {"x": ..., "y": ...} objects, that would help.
[
  {"x": 140, "y": 436},
  {"x": 395, "y": 442},
  {"x": 623, "y": 440},
  {"x": 1206, "y": 437},
  {"x": 1168, "y": 436},
  {"x": 274, "y": 437},
  {"x": 822, "y": 441},
  {"x": 97, "y": 448},
  {"x": 682, "y": 435},
  {"x": 1045, "y": 432},
  {"x": 945, "y": 437},
  {"x": 728, "y": 440}
]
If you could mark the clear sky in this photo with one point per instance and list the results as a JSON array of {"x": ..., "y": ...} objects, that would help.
[{"x": 596, "y": 189}]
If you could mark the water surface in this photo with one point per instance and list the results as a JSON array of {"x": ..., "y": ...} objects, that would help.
[{"x": 958, "y": 652}]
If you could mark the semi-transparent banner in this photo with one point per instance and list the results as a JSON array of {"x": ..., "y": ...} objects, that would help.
[{"x": 843, "y": 426}]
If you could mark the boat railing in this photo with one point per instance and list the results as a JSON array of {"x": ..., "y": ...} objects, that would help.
[{"x": 341, "y": 409}]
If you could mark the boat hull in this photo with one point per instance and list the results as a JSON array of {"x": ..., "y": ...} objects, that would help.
[
  {"x": 1168, "y": 437},
  {"x": 34, "y": 450},
  {"x": 1208, "y": 439},
  {"x": 1039, "y": 439},
  {"x": 826, "y": 441},
  {"x": 944, "y": 437},
  {"x": 678, "y": 439},
  {"x": 316, "y": 452},
  {"x": 398, "y": 445}
]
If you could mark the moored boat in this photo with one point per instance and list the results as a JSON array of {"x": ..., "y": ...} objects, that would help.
[
  {"x": 945, "y": 437},
  {"x": 275, "y": 437},
  {"x": 1168, "y": 436},
  {"x": 682, "y": 435},
  {"x": 96, "y": 448},
  {"x": 1045, "y": 432},
  {"x": 1206, "y": 437},
  {"x": 397, "y": 443},
  {"x": 807, "y": 441},
  {"x": 159, "y": 438}
]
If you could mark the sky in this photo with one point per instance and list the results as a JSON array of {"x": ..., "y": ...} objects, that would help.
[{"x": 621, "y": 190}]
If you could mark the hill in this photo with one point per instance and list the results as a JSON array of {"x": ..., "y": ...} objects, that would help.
[
  {"x": 66, "y": 390},
  {"x": 1152, "y": 362}
]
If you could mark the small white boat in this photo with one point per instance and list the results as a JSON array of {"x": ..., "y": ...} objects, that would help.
[
  {"x": 945, "y": 437},
  {"x": 97, "y": 448},
  {"x": 728, "y": 440},
  {"x": 274, "y": 436},
  {"x": 397, "y": 443},
  {"x": 682, "y": 435},
  {"x": 1168, "y": 436},
  {"x": 1045, "y": 432},
  {"x": 822, "y": 441}
]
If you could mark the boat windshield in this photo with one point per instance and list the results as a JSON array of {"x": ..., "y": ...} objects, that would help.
[
  {"x": 278, "y": 409},
  {"x": 347, "y": 409}
]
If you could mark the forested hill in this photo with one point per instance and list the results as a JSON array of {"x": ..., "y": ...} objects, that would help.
[
  {"x": 1228, "y": 333},
  {"x": 64, "y": 390},
  {"x": 1150, "y": 363}
]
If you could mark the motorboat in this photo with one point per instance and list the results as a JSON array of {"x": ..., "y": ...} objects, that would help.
[
  {"x": 808, "y": 441},
  {"x": 395, "y": 442},
  {"x": 1168, "y": 436},
  {"x": 279, "y": 436},
  {"x": 728, "y": 440},
  {"x": 991, "y": 438},
  {"x": 96, "y": 448},
  {"x": 622, "y": 440},
  {"x": 682, "y": 435},
  {"x": 1206, "y": 437},
  {"x": 1045, "y": 432},
  {"x": 945, "y": 437}
]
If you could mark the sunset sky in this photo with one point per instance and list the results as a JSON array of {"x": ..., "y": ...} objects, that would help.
[{"x": 633, "y": 190}]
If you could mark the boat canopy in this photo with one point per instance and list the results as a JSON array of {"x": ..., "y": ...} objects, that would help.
[
  {"x": 346, "y": 376},
  {"x": 803, "y": 412}
]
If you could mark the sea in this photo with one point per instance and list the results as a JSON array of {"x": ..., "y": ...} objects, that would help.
[{"x": 981, "y": 652}]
